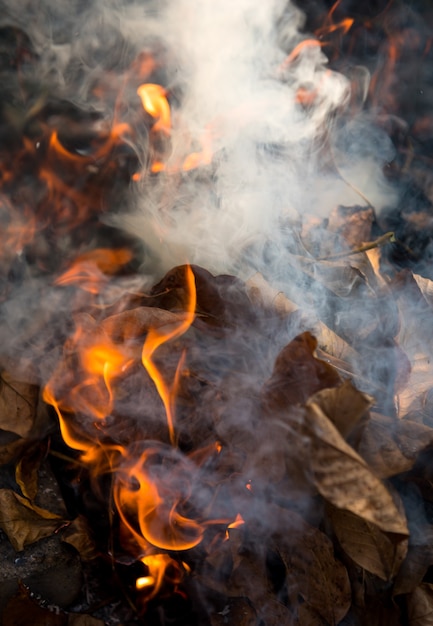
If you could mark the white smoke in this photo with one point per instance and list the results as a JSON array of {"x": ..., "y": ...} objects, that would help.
[{"x": 274, "y": 158}]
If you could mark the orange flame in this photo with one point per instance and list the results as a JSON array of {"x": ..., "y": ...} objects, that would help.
[
  {"x": 156, "y": 338},
  {"x": 154, "y": 504},
  {"x": 154, "y": 101},
  {"x": 90, "y": 270},
  {"x": 160, "y": 567}
]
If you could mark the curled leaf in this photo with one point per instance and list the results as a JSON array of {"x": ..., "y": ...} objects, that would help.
[{"x": 22, "y": 522}]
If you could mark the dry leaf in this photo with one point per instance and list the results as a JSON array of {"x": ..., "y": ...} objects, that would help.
[
  {"x": 22, "y": 522},
  {"x": 237, "y": 611},
  {"x": 22, "y": 610},
  {"x": 415, "y": 339},
  {"x": 136, "y": 322},
  {"x": 391, "y": 446},
  {"x": 11, "y": 447},
  {"x": 26, "y": 471},
  {"x": 313, "y": 572},
  {"x": 18, "y": 403},
  {"x": 78, "y": 534},
  {"x": 298, "y": 374},
  {"x": 262, "y": 294},
  {"x": 344, "y": 479},
  {"x": 425, "y": 285},
  {"x": 343, "y": 405},
  {"x": 81, "y": 619},
  {"x": 377, "y": 552},
  {"x": 420, "y": 606}
]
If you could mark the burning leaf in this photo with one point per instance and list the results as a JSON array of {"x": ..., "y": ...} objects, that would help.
[
  {"x": 18, "y": 402},
  {"x": 313, "y": 572},
  {"x": 377, "y": 552},
  {"x": 343, "y": 405},
  {"x": 136, "y": 322},
  {"x": 420, "y": 606},
  {"x": 222, "y": 301},
  {"x": 391, "y": 446},
  {"x": 344, "y": 479},
  {"x": 22, "y": 522}
]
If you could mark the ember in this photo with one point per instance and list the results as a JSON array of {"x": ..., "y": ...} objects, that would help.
[{"x": 216, "y": 304}]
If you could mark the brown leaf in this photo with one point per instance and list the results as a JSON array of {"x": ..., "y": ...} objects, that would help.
[
  {"x": 391, "y": 446},
  {"x": 11, "y": 447},
  {"x": 22, "y": 610},
  {"x": 420, "y": 606},
  {"x": 136, "y": 322},
  {"x": 26, "y": 471},
  {"x": 344, "y": 479},
  {"x": 237, "y": 611},
  {"x": 78, "y": 534},
  {"x": 415, "y": 339},
  {"x": 222, "y": 301},
  {"x": 313, "y": 572},
  {"x": 343, "y": 405},
  {"x": 22, "y": 522},
  {"x": 262, "y": 294},
  {"x": 298, "y": 374},
  {"x": 418, "y": 560},
  {"x": 425, "y": 285},
  {"x": 352, "y": 223},
  {"x": 81, "y": 619},
  {"x": 18, "y": 403},
  {"x": 377, "y": 552}
]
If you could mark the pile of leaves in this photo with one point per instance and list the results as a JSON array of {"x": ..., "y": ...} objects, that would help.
[{"x": 317, "y": 433}]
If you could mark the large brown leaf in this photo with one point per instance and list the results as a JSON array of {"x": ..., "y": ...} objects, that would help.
[
  {"x": 343, "y": 405},
  {"x": 18, "y": 402},
  {"x": 23, "y": 522},
  {"x": 136, "y": 322},
  {"x": 420, "y": 606},
  {"x": 375, "y": 551},
  {"x": 344, "y": 479},
  {"x": 391, "y": 446},
  {"x": 298, "y": 374},
  {"x": 313, "y": 572}
]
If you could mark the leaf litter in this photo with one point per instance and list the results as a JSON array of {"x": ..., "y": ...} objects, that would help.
[{"x": 317, "y": 453}]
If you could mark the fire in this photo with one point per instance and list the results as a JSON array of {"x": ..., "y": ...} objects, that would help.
[
  {"x": 155, "y": 339},
  {"x": 161, "y": 568},
  {"x": 155, "y": 103},
  {"x": 152, "y": 484},
  {"x": 89, "y": 271}
]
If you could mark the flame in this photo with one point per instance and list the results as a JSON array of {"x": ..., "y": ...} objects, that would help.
[
  {"x": 161, "y": 567},
  {"x": 239, "y": 521},
  {"x": 156, "y": 338},
  {"x": 150, "y": 506},
  {"x": 90, "y": 270},
  {"x": 154, "y": 101},
  {"x": 152, "y": 484}
]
